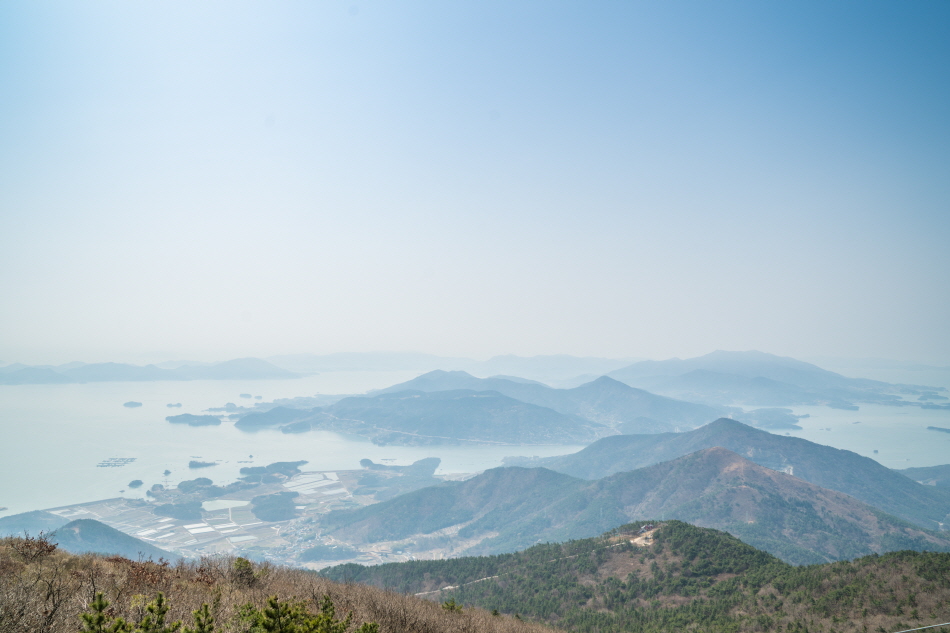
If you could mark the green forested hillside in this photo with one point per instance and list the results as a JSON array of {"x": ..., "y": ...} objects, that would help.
[{"x": 678, "y": 576}]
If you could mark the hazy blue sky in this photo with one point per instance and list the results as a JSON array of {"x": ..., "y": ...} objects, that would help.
[{"x": 217, "y": 179}]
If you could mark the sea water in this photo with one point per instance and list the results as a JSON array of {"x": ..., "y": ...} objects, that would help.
[
  {"x": 53, "y": 438},
  {"x": 897, "y": 437}
]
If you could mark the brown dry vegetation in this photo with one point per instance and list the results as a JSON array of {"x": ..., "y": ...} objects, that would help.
[{"x": 43, "y": 590}]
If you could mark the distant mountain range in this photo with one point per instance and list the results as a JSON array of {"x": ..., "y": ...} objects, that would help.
[
  {"x": 604, "y": 400},
  {"x": 719, "y": 380},
  {"x": 759, "y": 379},
  {"x": 609, "y": 404},
  {"x": 238, "y": 369},
  {"x": 836, "y": 469},
  {"x": 451, "y": 407},
  {"x": 506, "y": 509}
]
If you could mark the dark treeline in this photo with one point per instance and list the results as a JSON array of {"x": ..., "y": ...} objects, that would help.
[{"x": 683, "y": 578}]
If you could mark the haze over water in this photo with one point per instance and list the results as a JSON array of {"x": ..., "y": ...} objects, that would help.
[
  {"x": 55, "y": 435},
  {"x": 216, "y": 180}
]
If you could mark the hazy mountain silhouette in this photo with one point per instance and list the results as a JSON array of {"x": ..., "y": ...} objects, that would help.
[
  {"x": 88, "y": 535},
  {"x": 417, "y": 417},
  {"x": 755, "y": 378},
  {"x": 833, "y": 468},
  {"x": 603, "y": 400},
  {"x": 511, "y": 508},
  {"x": 31, "y": 523},
  {"x": 556, "y": 367},
  {"x": 237, "y": 369},
  {"x": 929, "y": 475}
]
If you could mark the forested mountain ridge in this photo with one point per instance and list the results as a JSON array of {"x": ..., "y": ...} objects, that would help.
[
  {"x": 505, "y": 509},
  {"x": 678, "y": 576},
  {"x": 797, "y": 521},
  {"x": 836, "y": 469},
  {"x": 931, "y": 475},
  {"x": 505, "y": 501}
]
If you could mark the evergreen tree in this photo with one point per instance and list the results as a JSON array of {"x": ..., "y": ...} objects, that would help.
[
  {"x": 451, "y": 605},
  {"x": 293, "y": 617},
  {"x": 154, "y": 621},
  {"x": 97, "y": 620},
  {"x": 204, "y": 621}
]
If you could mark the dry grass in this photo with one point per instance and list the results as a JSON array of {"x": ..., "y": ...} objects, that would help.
[{"x": 43, "y": 590}]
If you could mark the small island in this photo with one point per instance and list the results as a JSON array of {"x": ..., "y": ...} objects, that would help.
[
  {"x": 136, "y": 483},
  {"x": 197, "y": 464},
  {"x": 194, "y": 420},
  {"x": 132, "y": 404},
  {"x": 173, "y": 405},
  {"x": 938, "y": 428}
]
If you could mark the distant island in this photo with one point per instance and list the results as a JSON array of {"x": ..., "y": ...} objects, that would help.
[
  {"x": 759, "y": 379},
  {"x": 196, "y": 464},
  {"x": 194, "y": 420},
  {"x": 938, "y": 428},
  {"x": 132, "y": 404},
  {"x": 237, "y": 369}
]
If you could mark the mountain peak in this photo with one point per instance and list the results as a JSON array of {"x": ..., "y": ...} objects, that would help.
[
  {"x": 726, "y": 423},
  {"x": 440, "y": 373},
  {"x": 607, "y": 381}
]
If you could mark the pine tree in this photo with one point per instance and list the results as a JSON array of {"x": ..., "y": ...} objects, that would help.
[
  {"x": 204, "y": 621},
  {"x": 293, "y": 617},
  {"x": 154, "y": 622},
  {"x": 451, "y": 605},
  {"x": 97, "y": 620},
  {"x": 280, "y": 617}
]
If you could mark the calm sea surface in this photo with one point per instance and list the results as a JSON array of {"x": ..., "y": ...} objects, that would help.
[
  {"x": 53, "y": 436},
  {"x": 898, "y": 434}
]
